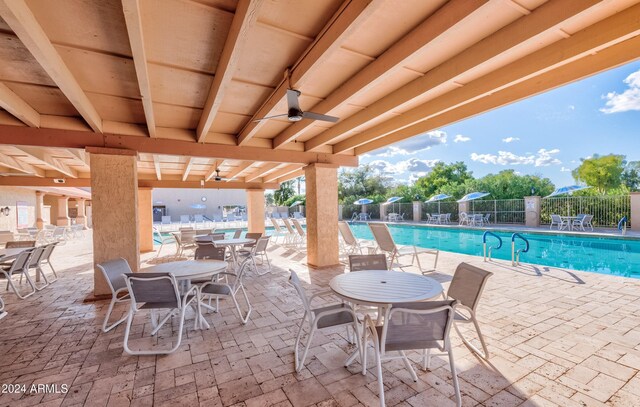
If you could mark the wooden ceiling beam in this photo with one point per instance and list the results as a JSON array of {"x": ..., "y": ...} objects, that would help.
[
  {"x": 29, "y": 136},
  {"x": 351, "y": 15},
  {"x": 133, "y": 20},
  {"x": 246, "y": 15},
  {"x": 290, "y": 176},
  {"x": 238, "y": 170},
  {"x": 156, "y": 166},
  {"x": 47, "y": 160},
  {"x": 15, "y": 105},
  {"x": 448, "y": 16},
  {"x": 545, "y": 18},
  {"x": 212, "y": 169},
  {"x": 261, "y": 172},
  {"x": 616, "y": 55},
  {"x": 282, "y": 172},
  {"x": 187, "y": 168},
  {"x": 18, "y": 16},
  {"x": 607, "y": 32},
  {"x": 18, "y": 165}
]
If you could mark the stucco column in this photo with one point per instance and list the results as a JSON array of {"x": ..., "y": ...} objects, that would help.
[
  {"x": 114, "y": 190},
  {"x": 145, "y": 219},
  {"x": 417, "y": 211},
  {"x": 383, "y": 212},
  {"x": 532, "y": 206},
  {"x": 463, "y": 207},
  {"x": 39, "y": 209},
  {"x": 81, "y": 219},
  {"x": 63, "y": 211},
  {"x": 635, "y": 211},
  {"x": 255, "y": 210},
  {"x": 322, "y": 215}
]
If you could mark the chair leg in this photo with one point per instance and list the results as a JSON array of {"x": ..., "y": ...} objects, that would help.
[
  {"x": 484, "y": 354},
  {"x": 379, "y": 372},
  {"x": 454, "y": 377},
  {"x": 407, "y": 364},
  {"x": 55, "y": 275},
  {"x": 297, "y": 343},
  {"x": 106, "y": 328},
  {"x": 244, "y": 319},
  {"x": 306, "y": 348},
  {"x": 41, "y": 273},
  {"x": 15, "y": 289}
]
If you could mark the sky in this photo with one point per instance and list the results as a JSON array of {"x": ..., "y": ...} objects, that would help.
[{"x": 545, "y": 135}]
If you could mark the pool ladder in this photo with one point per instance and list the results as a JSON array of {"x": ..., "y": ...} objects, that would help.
[
  {"x": 515, "y": 254},
  {"x": 484, "y": 244}
]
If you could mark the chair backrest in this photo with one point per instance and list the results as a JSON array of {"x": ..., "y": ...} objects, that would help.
[
  {"x": 287, "y": 224},
  {"x": 254, "y": 236},
  {"x": 15, "y": 244},
  {"x": 587, "y": 219},
  {"x": 203, "y": 231},
  {"x": 298, "y": 226},
  {"x": 21, "y": 261},
  {"x": 275, "y": 215},
  {"x": 347, "y": 233},
  {"x": 166, "y": 220},
  {"x": 359, "y": 262},
  {"x": 245, "y": 217},
  {"x": 261, "y": 244},
  {"x": 467, "y": 285},
  {"x": 237, "y": 233},
  {"x": 556, "y": 219},
  {"x": 114, "y": 272},
  {"x": 363, "y": 216},
  {"x": 277, "y": 227},
  {"x": 209, "y": 251},
  {"x": 184, "y": 219},
  {"x": 48, "y": 251},
  {"x": 36, "y": 256},
  {"x": 383, "y": 238},
  {"x": 295, "y": 282},
  {"x": 463, "y": 215},
  {"x": 198, "y": 218},
  {"x": 217, "y": 236},
  {"x": 185, "y": 228},
  {"x": 188, "y": 236},
  {"x": 158, "y": 288},
  {"x": 410, "y": 326}
]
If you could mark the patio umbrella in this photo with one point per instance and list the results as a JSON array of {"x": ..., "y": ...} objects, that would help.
[
  {"x": 392, "y": 200},
  {"x": 363, "y": 201},
  {"x": 438, "y": 198},
  {"x": 567, "y": 190},
  {"x": 472, "y": 196},
  {"x": 296, "y": 203}
]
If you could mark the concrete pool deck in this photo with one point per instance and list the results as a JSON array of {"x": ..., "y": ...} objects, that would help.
[{"x": 557, "y": 337}]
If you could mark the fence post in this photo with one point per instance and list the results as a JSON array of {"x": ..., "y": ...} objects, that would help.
[
  {"x": 532, "y": 207},
  {"x": 417, "y": 211},
  {"x": 383, "y": 212},
  {"x": 635, "y": 211}
]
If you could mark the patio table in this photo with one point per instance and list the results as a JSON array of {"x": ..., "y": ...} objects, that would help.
[
  {"x": 12, "y": 253},
  {"x": 382, "y": 289},
  {"x": 185, "y": 271},
  {"x": 569, "y": 220},
  {"x": 232, "y": 244}
]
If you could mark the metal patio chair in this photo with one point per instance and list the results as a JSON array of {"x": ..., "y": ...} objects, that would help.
[
  {"x": 19, "y": 266},
  {"x": 46, "y": 260},
  {"x": 158, "y": 237},
  {"x": 367, "y": 262},
  {"x": 259, "y": 248},
  {"x": 114, "y": 272},
  {"x": 219, "y": 289}
]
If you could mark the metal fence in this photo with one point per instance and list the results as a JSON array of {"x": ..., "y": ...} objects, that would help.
[
  {"x": 606, "y": 210},
  {"x": 404, "y": 209},
  {"x": 347, "y": 211},
  {"x": 432, "y": 208},
  {"x": 500, "y": 210}
]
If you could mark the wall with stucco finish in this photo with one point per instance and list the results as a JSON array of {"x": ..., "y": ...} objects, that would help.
[
  {"x": 178, "y": 201},
  {"x": 9, "y": 196},
  {"x": 322, "y": 215}
]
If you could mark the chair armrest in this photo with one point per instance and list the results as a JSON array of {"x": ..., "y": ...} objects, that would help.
[
  {"x": 336, "y": 311},
  {"x": 324, "y": 292}
]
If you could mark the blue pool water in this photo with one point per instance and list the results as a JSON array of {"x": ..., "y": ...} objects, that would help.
[{"x": 596, "y": 254}]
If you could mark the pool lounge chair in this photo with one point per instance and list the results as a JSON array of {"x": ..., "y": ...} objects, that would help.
[
  {"x": 350, "y": 244},
  {"x": 385, "y": 243},
  {"x": 302, "y": 235},
  {"x": 157, "y": 237}
]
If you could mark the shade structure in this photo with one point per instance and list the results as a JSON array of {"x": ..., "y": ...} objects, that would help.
[
  {"x": 392, "y": 200},
  {"x": 296, "y": 203},
  {"x": 438, "y": 197},
  {"x": 472, "y": 196},
  {"x": 567, "y": 190},
  {"x": 363, "y": 201}
]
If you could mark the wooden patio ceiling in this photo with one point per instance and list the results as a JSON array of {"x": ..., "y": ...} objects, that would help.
[{"x": 183, "y": 81}]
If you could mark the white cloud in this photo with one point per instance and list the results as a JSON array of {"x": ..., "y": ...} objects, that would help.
[
  {"x": 510, "y": 139},
  {"x": 412, "y": 165},
  {"x": 415, "y": 176},
  {"x": 542, "y": 159},
  {"x": 565, "y": 169},
  {"x": 413, "y": 145},
  {"x": 461, "y": 139},
  {"x": 627, "y": 100}
]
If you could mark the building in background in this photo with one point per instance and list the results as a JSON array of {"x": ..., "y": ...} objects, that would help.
[{"x": 198, "y": 201}]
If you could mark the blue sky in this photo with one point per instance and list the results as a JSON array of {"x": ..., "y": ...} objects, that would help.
[{"x": 546, "y": 134}]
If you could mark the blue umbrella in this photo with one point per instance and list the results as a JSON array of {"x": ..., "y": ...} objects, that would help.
[
  {"x": 296, "y": 203},
  {"x": 567, "y": 190},
  {"x": 363, "y": 201},
  {"x": 438, "y": 197},
  {"x": 393, "y": 199},
  {"x": 472, "y": 196}
]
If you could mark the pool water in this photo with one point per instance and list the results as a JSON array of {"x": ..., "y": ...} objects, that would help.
[{"x": 615, "y": 256}]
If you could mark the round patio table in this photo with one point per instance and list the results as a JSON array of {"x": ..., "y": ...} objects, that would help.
[
  {"x": 232, "y": 244},
  {"x": 12, "y": 252}
]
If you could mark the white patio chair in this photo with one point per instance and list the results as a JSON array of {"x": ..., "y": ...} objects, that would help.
[
  {"x": 418, "y": 326},
  {"x": 486, "y": 219},
  {"x": 277, "y": 230},
  {"x": 430, "y": 219},
  {"x": 46, "y": 260},
  {"x": 157, "y": 292},
  {"x": 583, "y": 221},
  {"x": 35, "y": 262},
  {"x": 260, "y": 249},
  {"x": 185, "y": 220},
  {"x": 478, "y": 219},
  {"x": 385, "y": 243},
  {"x": 463, "y": 218},
  {"x": 19, "y": 266},
  {"x": 447, "y": 218},
  {"x": 326, "y": 317},
  {"x": 114, "y": 272},
  {"x": 292, "y": 237},
  {"x": 185, "y": 240},
  {"x": 219, "y": 289},
  {"x": 198, "y": 220},
  {"x": 166, "y": 220},
  {"x": 557, "y": 220},
  {"x": 302, "y": 235},
  {"x": 158, "y": 237},
  {"x": 352, "y": 245}
]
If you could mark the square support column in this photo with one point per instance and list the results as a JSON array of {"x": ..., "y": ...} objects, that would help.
[
  {"x": 417, "y": 211},
  {"x": 532, "y": 209},
  {"x": 322, "y": 215},
  {"x": 114, "y": 190},
  {"x": 39, "y": 210},
  {"x": 81, "y": 219},
  {"x": 635, "y": 211},
  {"x": 145, "y": 219},
  {"x": 255, "y": 210},
  {"x": 63, "y": 211}
]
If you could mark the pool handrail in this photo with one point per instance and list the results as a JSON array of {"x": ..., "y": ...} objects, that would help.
[
  {"x": 622, "y": 225},
  {"x": 484, "y": 244},
  {"x": 515, "y": 254}
]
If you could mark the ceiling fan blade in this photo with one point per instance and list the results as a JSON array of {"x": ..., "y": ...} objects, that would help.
[
  {"x": 271, "y": 117},
  {"x": 318, "y": 116},
  {"x": 292, "y": 99}
]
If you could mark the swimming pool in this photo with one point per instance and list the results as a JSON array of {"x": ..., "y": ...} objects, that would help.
[{"x": 615, "y": 256}]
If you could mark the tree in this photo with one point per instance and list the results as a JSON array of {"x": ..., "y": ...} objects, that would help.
[
  {"x": 408, "y": 193},
  {"x": 631, "y": 176},
  {"x": 268, "y": 199},
  {"x": 445, "y": 179},
  {"x": 601, "y": 172},
  {"x": 285, "y": 192},
  {"x": 508, "y": 185},
  {"x": 362, "y": 182}
]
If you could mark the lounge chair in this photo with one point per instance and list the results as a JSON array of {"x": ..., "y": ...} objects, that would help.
[
  {"x": 557, "y": 220},
  {"x": 302, "y": 235},
  {"x": 237, "y": 233},
  {"x": 157, "y": 291},
  {"x": 198, "y": 219},
  {"x": 158, "y": 237},
  {"x": 185, "y": 220},
  {"x": 385, "y": 243},
  {"x": 223, "y": 289},
  {"x": 412, "y": 326},
  {"x": 292, "y": 237},
  {"x": 166, "y": 220},
  {"x": 351, "y": 245},
  {"x": 339, "y": 314},
  {"x": 278, "y": 232},
  {"x": 583, "y": 221},
  {"x": 275, "y": 215},
  {"x": 114, "y": 272}
]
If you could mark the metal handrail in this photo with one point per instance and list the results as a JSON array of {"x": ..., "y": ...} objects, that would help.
[
  {"x": 622, "y": 225},
  {"x": 484, "y": 244},
  {"x": 515, "y": 255}
]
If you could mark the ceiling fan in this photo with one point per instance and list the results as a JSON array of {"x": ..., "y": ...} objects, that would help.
[
  {"x": 295, "y": 114},
  {"x": 217, "y": 177}
]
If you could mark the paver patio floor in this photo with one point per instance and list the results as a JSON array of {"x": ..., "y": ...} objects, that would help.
[{"x": 556, "y": 338}]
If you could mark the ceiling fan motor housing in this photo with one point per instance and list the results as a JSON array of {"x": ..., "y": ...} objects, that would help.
[{"x": 294, "y": 115}]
